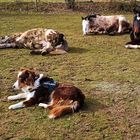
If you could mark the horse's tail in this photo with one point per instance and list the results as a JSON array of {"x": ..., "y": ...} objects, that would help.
[
  {"x": 7, "y": 45},
  {"x": 9, "y": 41}
]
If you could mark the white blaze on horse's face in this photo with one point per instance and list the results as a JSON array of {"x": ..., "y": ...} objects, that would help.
[
  {"x": 138, "y": 16},
  {"x": 85, "y": 25}
]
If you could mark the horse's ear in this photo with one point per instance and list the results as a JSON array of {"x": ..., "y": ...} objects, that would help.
[{"x": 82, "y": 18}]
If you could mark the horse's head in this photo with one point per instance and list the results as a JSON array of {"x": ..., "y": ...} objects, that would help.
[
  {"x": 136, "y": 23},
  {"x": 86, "y": 22}
]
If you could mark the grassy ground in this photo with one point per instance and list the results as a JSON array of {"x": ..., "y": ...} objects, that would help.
[
  {"x": 106, "y": 72},
  {"x": 32, "y": 0}
]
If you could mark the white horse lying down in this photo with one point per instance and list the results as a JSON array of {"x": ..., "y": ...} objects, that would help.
[
  {"x": 39, "y": 40},
  {"x": 99, "y": 24}
]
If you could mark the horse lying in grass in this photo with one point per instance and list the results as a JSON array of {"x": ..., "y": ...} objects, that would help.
[
  {"x": 59, "y": 98},
  {"x": 135, "y": 33},
  {"x": 39, "y": 40},
  {"x": 99, "y": 24}
]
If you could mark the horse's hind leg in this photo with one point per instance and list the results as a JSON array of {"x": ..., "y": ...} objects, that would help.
[
  {"x": 45, "y": 50},
  {"x": 111, "y": 30},
  {"x": 7, "y": 45},
  {"x": 120, "y": 27},
  {"x": 124, "y": 25},
  {"x": 7, "y": 42},
  {"x": 36, "y": 51},
  {"x": 121, "y": 20}
]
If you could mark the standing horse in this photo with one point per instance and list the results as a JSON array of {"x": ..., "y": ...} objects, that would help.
[
  {"x": 99, "y": 24},
  {"x": 135, "y": 33}
]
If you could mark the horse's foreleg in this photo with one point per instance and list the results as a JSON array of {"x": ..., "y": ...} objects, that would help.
[{"x": 47, "y": 49}]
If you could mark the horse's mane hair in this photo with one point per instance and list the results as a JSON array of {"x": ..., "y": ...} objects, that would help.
[{"x": 89, "y": 17}]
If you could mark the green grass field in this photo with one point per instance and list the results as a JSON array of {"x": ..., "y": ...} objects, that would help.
[
  {"x": 54, "y": 0},
  {"x": 32, "y": 0},
  {"x": 107, "y": 73}
]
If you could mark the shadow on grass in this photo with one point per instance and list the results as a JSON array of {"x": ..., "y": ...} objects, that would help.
[
  {"x": 77, "y": 50},
  {"x": 71, "y": 50},
  {"x": 92, "y": 105}
]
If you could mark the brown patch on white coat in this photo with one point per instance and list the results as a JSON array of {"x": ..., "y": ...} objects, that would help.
[
  {"x": 99, "y": 24},
  {"x": 39, "y": 40},
  {"x": 63, "y": 99}
]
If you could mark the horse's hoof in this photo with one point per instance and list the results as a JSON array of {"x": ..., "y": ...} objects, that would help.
[
  {"x": 111, "y": 33},
  {"x": 34, "y": 52}
]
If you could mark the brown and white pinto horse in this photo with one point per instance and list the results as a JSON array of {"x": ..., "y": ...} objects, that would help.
[
  {"x": 99, "y": 24},
  {"x": 59, "y": 98},
  {"x": 135, "y": 33}
]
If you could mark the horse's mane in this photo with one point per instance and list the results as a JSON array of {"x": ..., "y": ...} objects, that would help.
[{"x": 89, "y": 17}]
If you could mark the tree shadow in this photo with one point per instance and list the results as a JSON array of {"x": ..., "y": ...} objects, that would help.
[{"x": 77, "y": 50}]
